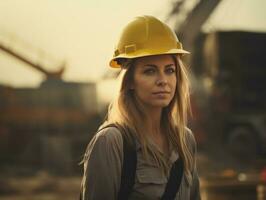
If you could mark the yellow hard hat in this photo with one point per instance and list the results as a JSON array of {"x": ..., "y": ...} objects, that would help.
[{"x": 146, "y": 36}]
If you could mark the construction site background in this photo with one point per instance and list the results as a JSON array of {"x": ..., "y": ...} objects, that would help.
[{"x": 44, "y": 130}]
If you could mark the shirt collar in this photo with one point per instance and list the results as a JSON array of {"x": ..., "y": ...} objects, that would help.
[{"x": 173, "y": 152}]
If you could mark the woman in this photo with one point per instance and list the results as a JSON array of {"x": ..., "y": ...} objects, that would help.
[{"x": 152, "y": 108}]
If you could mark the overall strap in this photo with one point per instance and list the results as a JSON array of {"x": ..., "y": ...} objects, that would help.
[
  {"x": 129, "y": 164},
  {"x": 174, "y": 181}
]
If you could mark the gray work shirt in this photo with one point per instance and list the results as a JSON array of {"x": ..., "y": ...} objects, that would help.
[{"x": 102, "y": 171}]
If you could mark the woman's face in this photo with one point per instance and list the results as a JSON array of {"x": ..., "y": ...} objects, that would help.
[{"x": 154, "y": 80}]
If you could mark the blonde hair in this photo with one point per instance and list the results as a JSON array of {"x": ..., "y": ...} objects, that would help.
[{"x": 127, "y": 110}]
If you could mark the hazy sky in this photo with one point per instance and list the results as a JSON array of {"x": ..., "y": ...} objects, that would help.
[{"x": 83, "y": 32}]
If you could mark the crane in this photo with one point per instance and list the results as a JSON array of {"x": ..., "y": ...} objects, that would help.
[
  {"x": 35, "y": 65},
  {"x": 190, "y": 28}
]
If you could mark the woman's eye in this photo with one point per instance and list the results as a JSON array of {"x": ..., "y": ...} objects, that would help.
[
  {"x": 170, "y": 70},
  {"x": 149, "y": 71}
]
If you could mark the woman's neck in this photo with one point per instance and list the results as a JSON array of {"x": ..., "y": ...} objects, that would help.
[
  {"x": 155, "y": 131},
  {"x": 154, "y": 120}
]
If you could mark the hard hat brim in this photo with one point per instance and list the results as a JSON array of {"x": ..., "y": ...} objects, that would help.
[{"x": 114, "y": 64}]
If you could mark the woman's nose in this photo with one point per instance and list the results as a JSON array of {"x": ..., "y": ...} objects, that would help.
[{"x": 162, "y": 81}]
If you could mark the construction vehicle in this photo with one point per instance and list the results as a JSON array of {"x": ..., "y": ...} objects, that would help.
[{"x": 232, "y": 74}]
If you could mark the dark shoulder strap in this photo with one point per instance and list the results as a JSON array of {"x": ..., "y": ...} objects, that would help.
[
  {"x": 129, "y": 164},
  {"x": 174, "y": 181}
]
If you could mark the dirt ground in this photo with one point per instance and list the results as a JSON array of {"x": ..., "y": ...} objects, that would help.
[{"x": 40, "y": 187}]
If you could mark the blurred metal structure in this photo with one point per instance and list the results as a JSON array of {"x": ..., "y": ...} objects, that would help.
[
  {"x": 190, "y": 29},
  {"x": 46, "y": 127}
]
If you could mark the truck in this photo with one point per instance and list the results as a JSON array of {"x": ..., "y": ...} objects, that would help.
[{"x": 230, "y": 68}]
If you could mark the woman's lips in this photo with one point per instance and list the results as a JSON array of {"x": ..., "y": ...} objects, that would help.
[
  {"x": 161, "y": 95},
  {"x": 161, "y": 92}
]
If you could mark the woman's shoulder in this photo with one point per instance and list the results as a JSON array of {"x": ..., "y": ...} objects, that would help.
[
  {"x": 109, "y": 133},
  {"x": 107, "y": 139}
]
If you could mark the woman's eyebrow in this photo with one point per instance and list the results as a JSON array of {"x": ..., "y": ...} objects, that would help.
[
  {"x": 169, "y": 65},
  {"x": 155, "y": 66},
  {"x": 150, "y": 65}
]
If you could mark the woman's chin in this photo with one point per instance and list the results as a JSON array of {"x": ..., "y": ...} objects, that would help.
[{"x": 160, "y": 104}]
